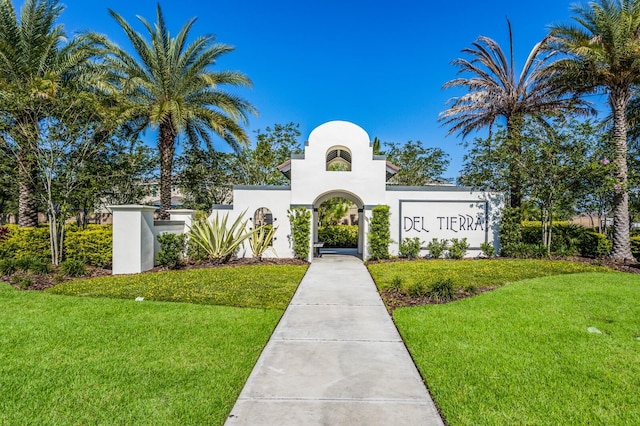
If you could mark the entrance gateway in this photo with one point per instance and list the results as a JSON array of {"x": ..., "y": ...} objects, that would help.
[{"x": 338, "y": 161}]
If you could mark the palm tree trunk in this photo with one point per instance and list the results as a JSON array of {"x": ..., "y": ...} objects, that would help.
[
  {"x": 514, "y": 127},
  {"x": 166, "y": 146},
  {"x": 618, "y": 100},
  {"x": 27, "y": 205}
]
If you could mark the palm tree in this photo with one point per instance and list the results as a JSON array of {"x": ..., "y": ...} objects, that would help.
[
  {"x": 35, "y": 65},
  {"x": 170, "y": 87},
  {"x": 602, "y": 55},
  {"x": 495, "y": 92}
]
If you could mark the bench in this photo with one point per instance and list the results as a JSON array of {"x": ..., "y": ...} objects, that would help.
[{"x": 316, "y": 248}]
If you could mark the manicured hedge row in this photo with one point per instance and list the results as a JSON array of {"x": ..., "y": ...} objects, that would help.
[
  {"x": 568, "y": 238},
  {"x": 92, "y": 245},
  {"x": 339, "y": 236}
]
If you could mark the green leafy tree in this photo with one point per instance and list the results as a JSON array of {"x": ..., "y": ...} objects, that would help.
[
  {"x": 274, "y": 146},
  {"x": 206, "y": 177},
  {"x": 8, "y": 188},
  {"x": 495, "y": 91},
  {"x": 418, "y": 165},
  {"x": 600, "y": 55},
  {"x": 36, "y": 64},
  {"x": 331, "y": 212},
  {"x": 169, "y": 85}
]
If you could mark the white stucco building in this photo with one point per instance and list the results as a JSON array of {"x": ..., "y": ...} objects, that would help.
[{"x": 338, "y": 161}]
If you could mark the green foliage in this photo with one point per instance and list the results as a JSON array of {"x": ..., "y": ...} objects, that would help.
[
  {"x": 73, "y": 268},
  {"x": 594, "y": 244},
  {"x": 410, "y": 247},
  {"x": 510, "y": 230},
  {"x": 442, "y": 290},
  {"x": 635, "y": 247},
  {"x": 33, "y": 264},
  {"x": 171, "y": 250},
  {"x": 331, "y": 212},
  {"x": 93, "y": 245},
  {"x": 488, "y": 250},
  {"x": 437, "y": 248},
  {"x": 261, "y": 239},
  {"x": 256, "y": 286},
  {"x": 216, "y": 239},
  {"x": 300, "y": 219},
  {"x": 418, "y": 165},
  {"x": 338, "y": 236},
  {"x": 481, "y": 272},
  {"x": 23, "y": 242},
  {"x": 418, "y": 289},
  {"x": 379, "y": 233},
  {"x": 458, "y": 248},
  {"x": 7, "y": 266},
  {"x": 396, "y": 283}
]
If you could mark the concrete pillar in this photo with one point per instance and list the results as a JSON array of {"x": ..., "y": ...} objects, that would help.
[
  {"x": 133, "y": 239},
  {"x": 183, "y": 215}
]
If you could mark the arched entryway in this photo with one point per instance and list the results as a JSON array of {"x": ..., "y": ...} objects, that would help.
[{"x": 359, "y": 215}]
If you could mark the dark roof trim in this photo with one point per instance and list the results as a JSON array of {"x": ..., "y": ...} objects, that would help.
[
  {"x": 263, "y": 187},
  {"x": 434, "y": 188}
]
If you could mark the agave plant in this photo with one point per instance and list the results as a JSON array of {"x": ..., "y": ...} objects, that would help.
[
  {"x": 217, "y": 240},
  {"x": 260, "y": 240}
]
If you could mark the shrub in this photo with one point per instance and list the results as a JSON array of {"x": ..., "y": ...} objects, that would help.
[
  {"x": 410, "y": 247},
  {"x": 7, "y": 266},
  {"x": 442, "y": 289},
  {"x": 418, "y": 289},
  {"x": 216, "y": 239},
  {"x": 261, "y": 240},
  {"x": 4, "y": 233},
  {"x": 488, "y": 250},
  {"x": 338, "y": 236},
  {"x": 300, "y": 219},
  {"x": 565, "y": 237},
  {"x": 93, "y": 245},
  {"x": 171, "y": 250},
  {"x": 593, "y": 244},
  {"x": 26, "y": 242},
  {"x": 379, "y": 233},
  {"x": 73, "y": 268},
  {"x": 524, "y": 251},
  {"x": 396, "y": 283},
  {"x": 33, "y": 264},
  {"x": 436, "y": 248},
  {"x": 458, "y": 248},
  {"x": 510, "y": 227}
]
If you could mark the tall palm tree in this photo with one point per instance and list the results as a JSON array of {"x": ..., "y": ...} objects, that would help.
[
  {"x": 602, "y": 55},
  {"x": 36, "y": 63},
  {"x": 497, "y": 92},
  {"x": 170, "y": 87}
]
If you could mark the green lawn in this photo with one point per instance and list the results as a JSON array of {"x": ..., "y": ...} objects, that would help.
[
  {"x": 259, "y": 286},
  {"x": 522, "y": 354},
  {"x": 472, "y": 272},
  {"x": 82, "y": 360}
]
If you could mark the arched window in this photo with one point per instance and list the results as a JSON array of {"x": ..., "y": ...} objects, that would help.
[
  {"x": 339, "y": 159},
  {"x": 262, "y": 216}
]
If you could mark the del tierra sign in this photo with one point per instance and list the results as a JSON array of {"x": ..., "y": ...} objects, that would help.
[{"x": 444, "y": 220}]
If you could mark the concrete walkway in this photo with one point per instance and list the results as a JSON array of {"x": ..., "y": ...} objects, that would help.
[{"x": 335, "y": 358}]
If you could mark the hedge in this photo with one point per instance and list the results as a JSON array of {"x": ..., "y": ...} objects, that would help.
[
  {"x": 92, "y": 245},
  {"x": 339, "y": 236},
  {"x": 567, "y": 238}
]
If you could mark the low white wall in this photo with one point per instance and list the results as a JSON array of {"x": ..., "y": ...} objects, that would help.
[{"x": 444, "y": 212}]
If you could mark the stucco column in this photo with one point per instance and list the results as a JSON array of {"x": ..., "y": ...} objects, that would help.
[
  {"x": 133, "y": 239},
  {"x": 183, "y": 215}
]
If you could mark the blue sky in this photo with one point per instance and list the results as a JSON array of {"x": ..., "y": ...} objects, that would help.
[{"x": 380, "y": 64}]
